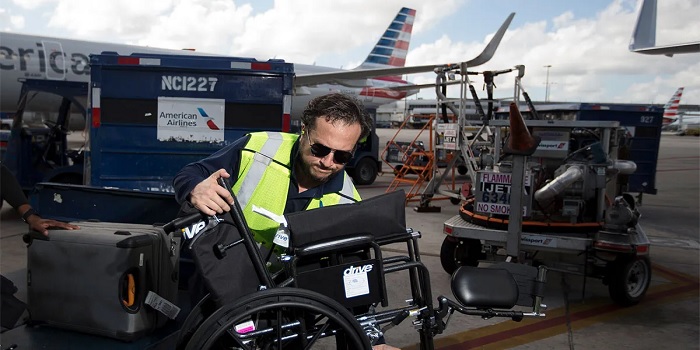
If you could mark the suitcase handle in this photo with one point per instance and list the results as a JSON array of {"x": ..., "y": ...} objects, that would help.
[{"x": 127, "y": 291}]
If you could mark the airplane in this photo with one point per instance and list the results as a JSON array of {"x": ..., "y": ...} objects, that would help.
[
  {"x": 644, "y": 36},
  {"x": 671, "y": 107},
  {"x": 675, "y": 120},
  {"x": 373, "y": 81}
]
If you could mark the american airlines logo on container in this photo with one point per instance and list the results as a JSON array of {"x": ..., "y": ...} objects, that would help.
[{"x": 191, "y": 119}]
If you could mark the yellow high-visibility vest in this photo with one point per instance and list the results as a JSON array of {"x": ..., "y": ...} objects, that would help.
[{"x": 264, "y": 177}]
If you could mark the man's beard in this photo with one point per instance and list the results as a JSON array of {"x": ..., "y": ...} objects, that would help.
[
  {"x": 310, "y": 176},
  {"x": 309, "y": 179}
]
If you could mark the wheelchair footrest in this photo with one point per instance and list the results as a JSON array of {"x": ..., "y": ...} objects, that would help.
[{"x": 484, "y": 287}]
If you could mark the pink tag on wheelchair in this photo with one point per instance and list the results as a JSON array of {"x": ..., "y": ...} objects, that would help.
[{"x": 245, "y": 327}]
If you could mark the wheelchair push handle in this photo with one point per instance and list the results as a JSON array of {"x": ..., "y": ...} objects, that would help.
[
  {"x": 182, "y": 222},
  {"x": 225, "y": 183}
]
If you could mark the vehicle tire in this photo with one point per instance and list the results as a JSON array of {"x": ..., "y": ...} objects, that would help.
[
  {"x": 283, "y": 317},
  {"x": 628, "y": 279},
  {"x": 462, "y": 169},
  {"x": 457, "y": 252},
  {"x": 365, "y": 171}
]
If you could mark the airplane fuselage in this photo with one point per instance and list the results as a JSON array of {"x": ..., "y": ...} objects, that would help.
[{"x": 34, "y": 57}]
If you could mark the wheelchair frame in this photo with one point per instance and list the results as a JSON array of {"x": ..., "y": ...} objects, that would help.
[{"x": 350, "y": 331}]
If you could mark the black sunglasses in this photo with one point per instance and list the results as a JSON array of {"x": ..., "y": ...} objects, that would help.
[{"x": 320, "y": 151}]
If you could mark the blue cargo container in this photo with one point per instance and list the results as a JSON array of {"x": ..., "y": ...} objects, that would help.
[{"x": 150, "y": 115}]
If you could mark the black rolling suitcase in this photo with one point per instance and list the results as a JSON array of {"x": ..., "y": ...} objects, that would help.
[{"x": 110, "y": 279}]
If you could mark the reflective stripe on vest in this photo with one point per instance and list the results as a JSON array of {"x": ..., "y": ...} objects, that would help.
[
  {"x": 348, "y": 191},
  {"x": 265, "y": 145}
]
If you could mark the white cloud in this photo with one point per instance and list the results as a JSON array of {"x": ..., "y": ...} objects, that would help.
[
  {"x": 588, "y": 56},
  {"x": 31, "y": 4},
  {"x": 17, "y": 21},
  {"x": 296, "y": 30},
  {"x": 10, "y": 21},
  {"x": 125, "y": 19}
]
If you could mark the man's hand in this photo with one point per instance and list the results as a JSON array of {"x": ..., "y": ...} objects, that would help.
[
  {"x": 209, "y": 197},
  {"x": 38, "y": 224},
  {"x": 384, "y": 347}
]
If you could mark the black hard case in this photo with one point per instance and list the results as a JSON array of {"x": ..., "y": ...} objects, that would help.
[{"x": 78, "y": 279}]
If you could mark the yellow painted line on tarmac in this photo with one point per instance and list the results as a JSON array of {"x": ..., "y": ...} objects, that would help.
[{"x": 508, "y": 334}]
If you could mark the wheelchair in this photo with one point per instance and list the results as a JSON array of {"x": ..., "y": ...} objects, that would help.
[{"x": 327, "y": 288}]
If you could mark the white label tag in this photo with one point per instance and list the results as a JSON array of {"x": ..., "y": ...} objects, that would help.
[
  {"x": 356, "y": 284},
  {"x": 162, "y": 305},
  {"x": 280, "y": 219},
  {"x": 281, "y": 237},
  {"x": 245, "y": 327}
]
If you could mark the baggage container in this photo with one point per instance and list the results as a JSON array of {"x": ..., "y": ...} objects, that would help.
[{"x": 109, "y": 279}]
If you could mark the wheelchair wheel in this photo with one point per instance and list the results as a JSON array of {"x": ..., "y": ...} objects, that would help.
[
  {"x": 280, "y": 318},
  {"x": 193, "y": 321}
]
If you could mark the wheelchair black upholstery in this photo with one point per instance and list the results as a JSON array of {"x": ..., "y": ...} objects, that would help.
[{"x": 378, "y": 216}]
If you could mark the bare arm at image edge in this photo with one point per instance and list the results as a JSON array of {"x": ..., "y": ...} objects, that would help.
[{"x": 11, "y": 190}]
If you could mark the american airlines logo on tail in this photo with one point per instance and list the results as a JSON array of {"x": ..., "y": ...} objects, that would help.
[
  {"x": 392, "y": 47},
  {"x": 671, "y": 107}
]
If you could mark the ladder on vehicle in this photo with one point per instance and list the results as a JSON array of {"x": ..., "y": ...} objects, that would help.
[{"x": 467, "y": 144}]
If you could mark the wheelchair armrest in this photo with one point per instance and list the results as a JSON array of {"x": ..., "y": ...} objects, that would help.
[
  {"x": 396, "y": 237},
  {"x": 484, "y": 287},
  {"x": 334, "y": 245}
]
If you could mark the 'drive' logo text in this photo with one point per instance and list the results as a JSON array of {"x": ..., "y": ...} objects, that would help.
[
  {"x": 355, "y": 270},
  {"x": 191, "y": 231}
]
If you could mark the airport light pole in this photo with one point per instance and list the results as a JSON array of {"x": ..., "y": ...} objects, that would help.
[{"x": 546, "y": 84}]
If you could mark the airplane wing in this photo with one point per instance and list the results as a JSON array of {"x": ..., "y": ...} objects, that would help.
[
  {"x": 644, "y": 36},
  {"x": 339, "y": 76},
  {"x": 419, "y": 86},
  {"x": 670, "y": 50}
]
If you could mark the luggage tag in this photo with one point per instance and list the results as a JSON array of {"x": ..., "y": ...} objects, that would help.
[
  {"x": 282, "y": 234},
  {"x": 162, "y": 305}
]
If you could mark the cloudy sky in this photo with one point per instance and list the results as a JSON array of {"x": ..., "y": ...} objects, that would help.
[{"x": 584, "y": 42}]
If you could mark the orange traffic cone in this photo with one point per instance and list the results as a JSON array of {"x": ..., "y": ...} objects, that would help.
[{"x": 520, "y": 142}]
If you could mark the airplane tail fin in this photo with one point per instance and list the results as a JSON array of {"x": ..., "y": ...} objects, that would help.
[
  {"x": 392, "y": 47},
  {"x": 645, "y": 30},
  {"x": 671, "y": 107},
  {"x": 644, "y": 37}
]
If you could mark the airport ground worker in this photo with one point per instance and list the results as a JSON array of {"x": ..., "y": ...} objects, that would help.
[{"x": 283, "y": 172}]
